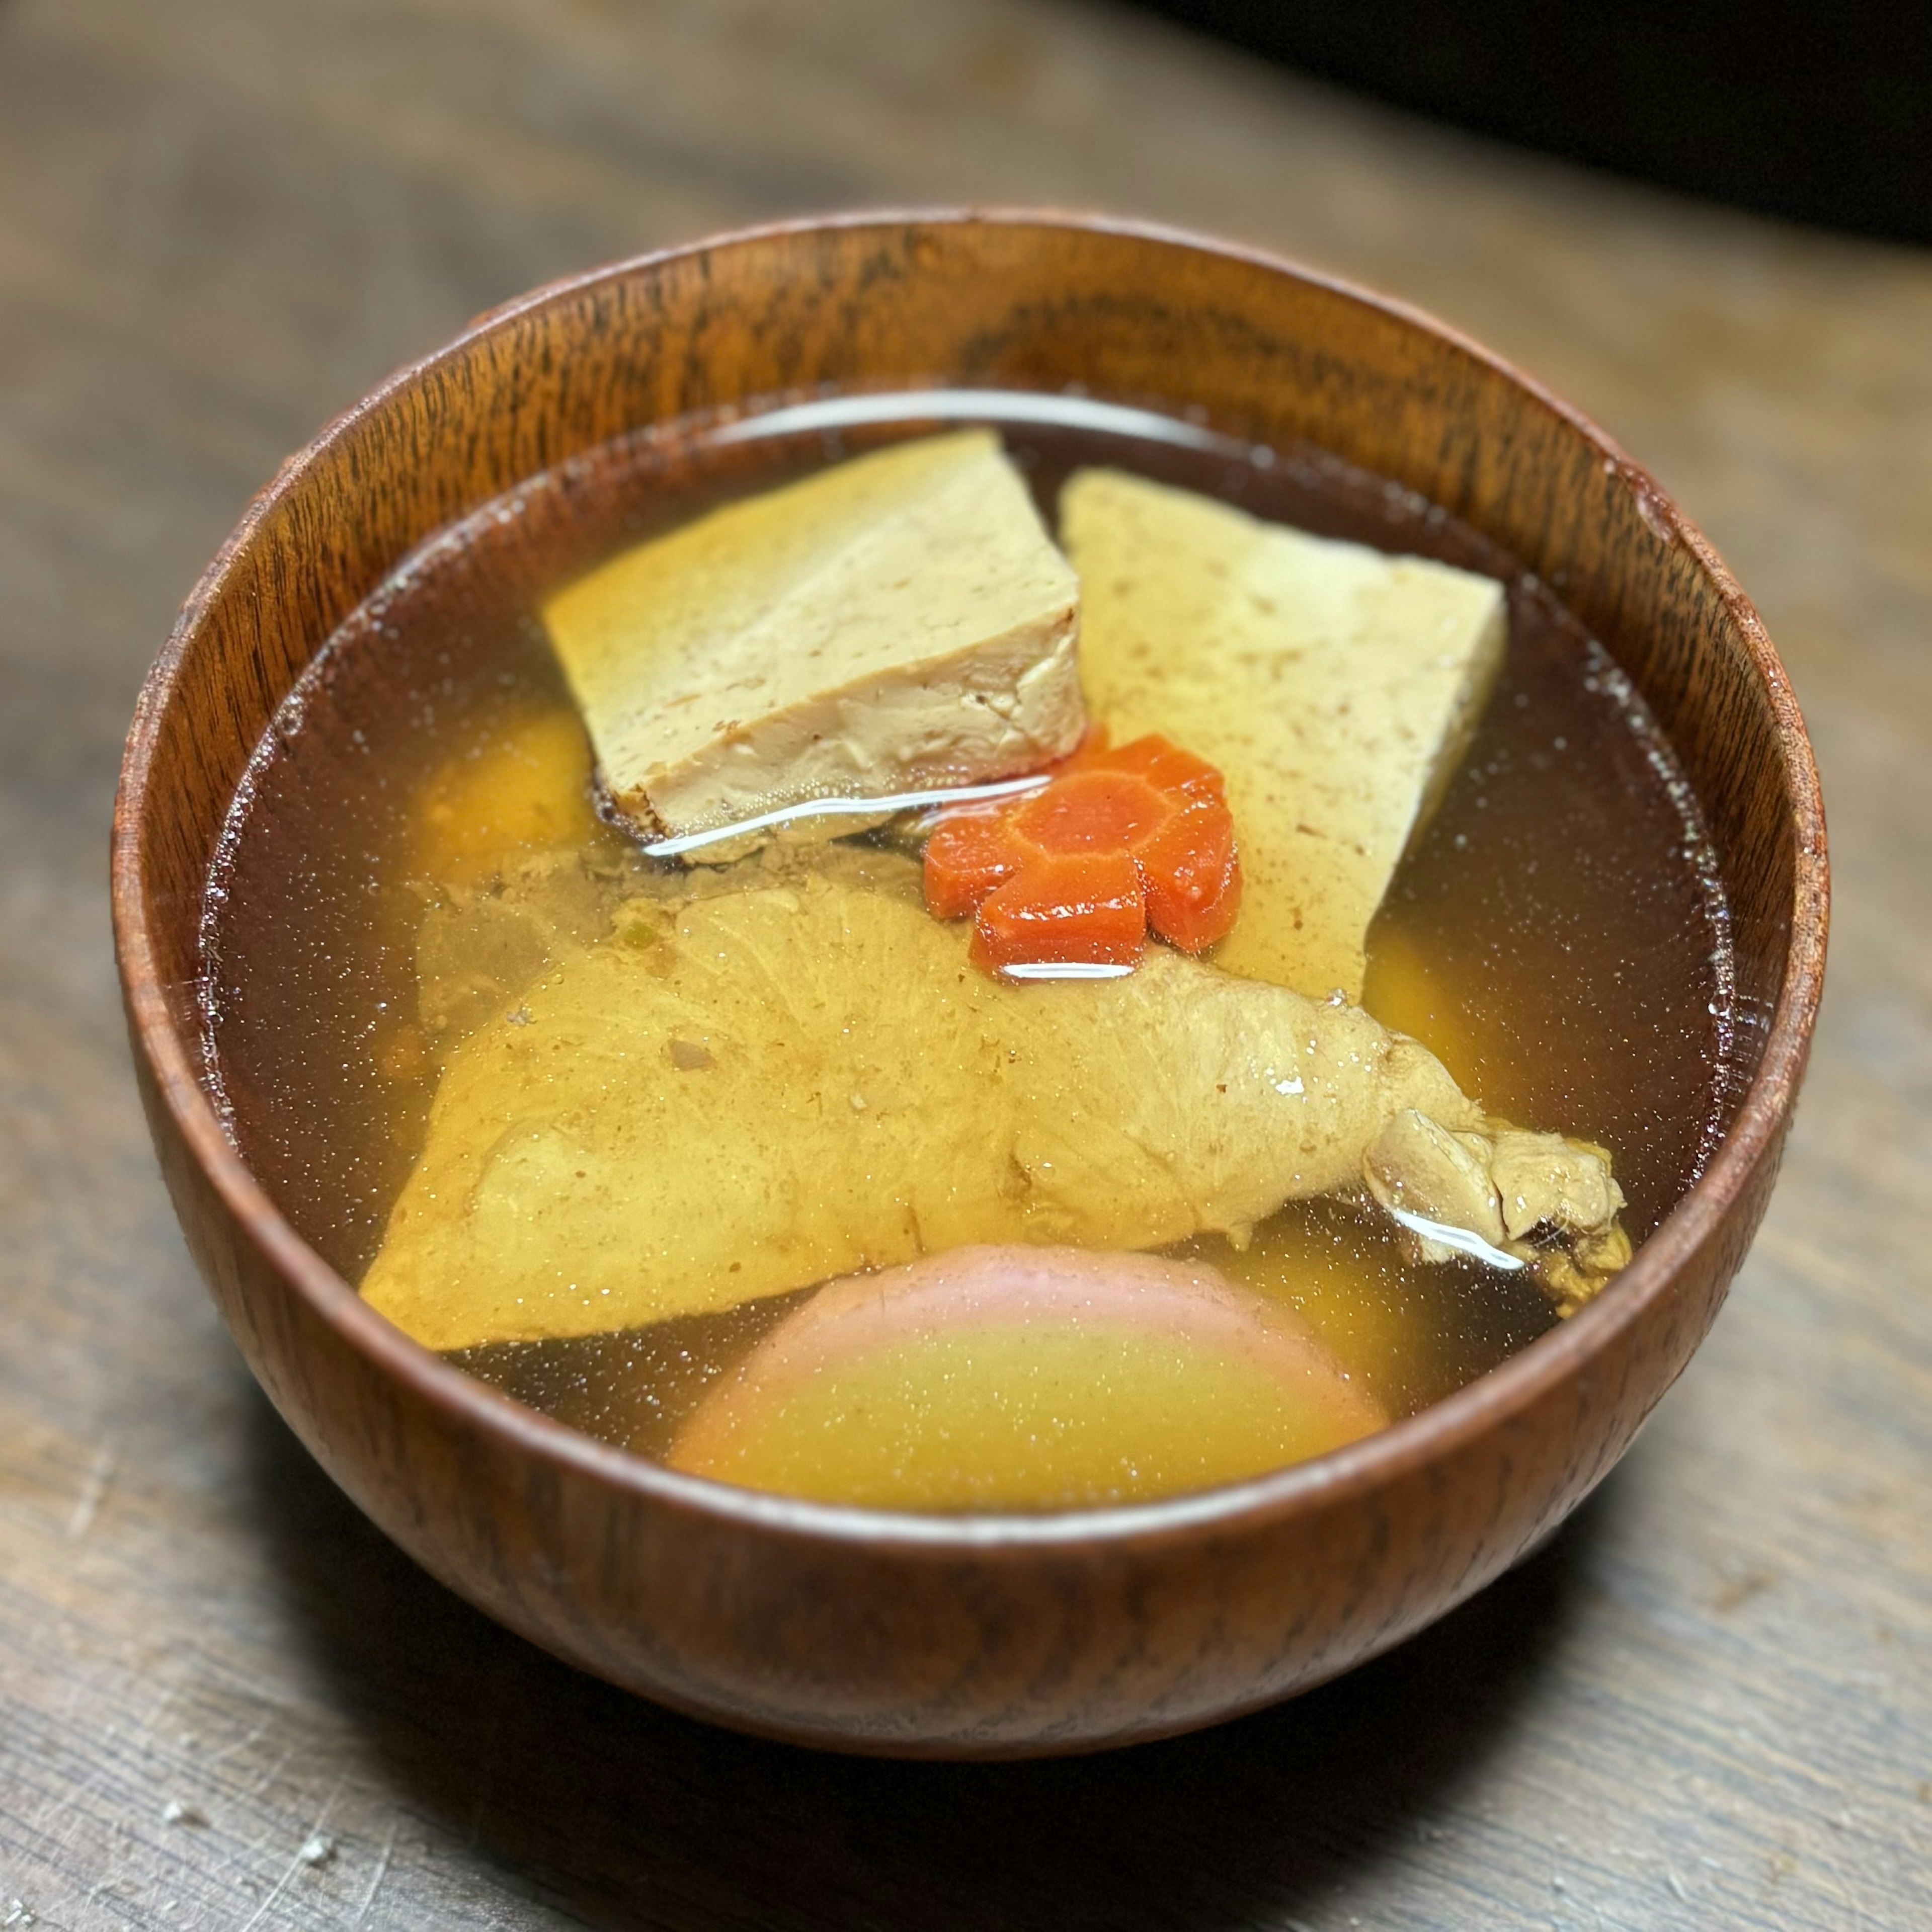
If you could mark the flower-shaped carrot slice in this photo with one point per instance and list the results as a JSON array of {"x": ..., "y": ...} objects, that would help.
[{"x": 1076, "y": 873}]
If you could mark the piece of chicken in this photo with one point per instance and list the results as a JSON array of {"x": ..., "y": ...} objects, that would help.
[{"x": 807, "y": 1078}]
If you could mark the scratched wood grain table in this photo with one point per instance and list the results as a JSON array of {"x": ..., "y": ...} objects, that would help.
[{"x": 226, "y": 1702}]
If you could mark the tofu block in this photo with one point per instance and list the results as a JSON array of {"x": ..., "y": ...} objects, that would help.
[
  {"x": 897, "y": 622},
  {"x": 1336, "y": 688}
]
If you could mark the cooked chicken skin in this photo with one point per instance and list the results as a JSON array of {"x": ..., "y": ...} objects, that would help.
[{"x": 794, "y": 1081}]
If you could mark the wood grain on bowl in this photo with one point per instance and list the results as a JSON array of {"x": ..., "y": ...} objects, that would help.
[{"x": 998, "y": 1636}]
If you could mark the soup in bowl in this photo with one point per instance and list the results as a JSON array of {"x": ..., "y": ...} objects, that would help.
[{"x": 923, "y": 1038}]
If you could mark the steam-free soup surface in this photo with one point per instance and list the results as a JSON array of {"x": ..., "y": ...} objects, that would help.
[{"x": 416, "y": 848}]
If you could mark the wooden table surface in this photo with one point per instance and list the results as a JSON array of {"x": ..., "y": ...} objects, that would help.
[{"x": 225, "y": 1701}]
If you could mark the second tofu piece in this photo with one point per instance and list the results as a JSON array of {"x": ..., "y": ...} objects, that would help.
[
  {"x": 1335, "y": 688},
  {"x": 900, "y": 622}
]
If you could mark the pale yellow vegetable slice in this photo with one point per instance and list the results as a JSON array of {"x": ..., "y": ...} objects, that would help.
[{"x": 1024, "y": 1377}]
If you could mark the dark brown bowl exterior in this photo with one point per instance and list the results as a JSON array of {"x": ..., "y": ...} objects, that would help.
[{"x": 998, "y": 1637}]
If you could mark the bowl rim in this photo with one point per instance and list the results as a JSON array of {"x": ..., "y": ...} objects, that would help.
[{"x": 1352, "y": 1472}]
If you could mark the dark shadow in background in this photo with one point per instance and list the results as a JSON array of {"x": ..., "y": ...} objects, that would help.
[
  {"x": 626, "y": 1815},
  {"x": 1820, "y": 113}
]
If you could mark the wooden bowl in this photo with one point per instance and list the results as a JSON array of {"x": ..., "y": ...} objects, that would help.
[{"x": 993, "y": 1636}]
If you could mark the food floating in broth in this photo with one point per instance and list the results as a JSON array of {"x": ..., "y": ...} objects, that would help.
[
  {"x": 800, "y": 1079},
  {"x": 1333, "y": 688},
  {"x": 1021, "y": 1378},
  {"x": 941, "y": 1020},
  {"x": 1074, "y": 875},
  {"x": 898, "y": 622},
  {"x": 806, "y": 1078}
]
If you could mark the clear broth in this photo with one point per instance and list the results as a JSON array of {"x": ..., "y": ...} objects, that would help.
[{"x": 1558, "y": 935}]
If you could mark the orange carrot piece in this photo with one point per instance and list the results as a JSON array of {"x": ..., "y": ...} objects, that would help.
[
  {"x": 1166, "y": 767},
  {"x": 969, "y": 853},
  {"x": 1082, "y": 908},
  {"x": 1192, "y": 876},
  {"x": 1094, "y": 810},
  {"x": 1117, "y": 841}
]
